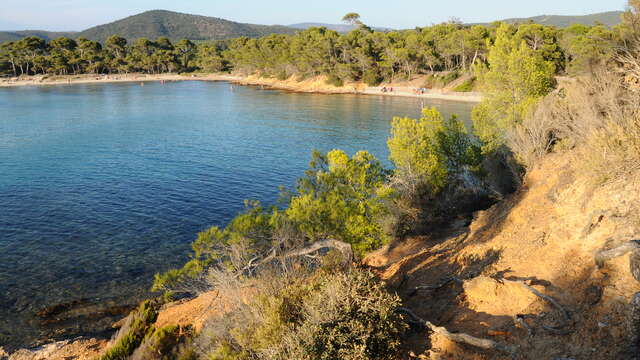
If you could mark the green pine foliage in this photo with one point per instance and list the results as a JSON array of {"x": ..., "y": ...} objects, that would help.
[
  {"x": 431, "y": 148},
  {"x": 516, "y": 78},
  {"x": 342, "y": 198}
]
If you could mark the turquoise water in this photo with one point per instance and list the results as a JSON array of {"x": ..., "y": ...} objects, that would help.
[{"x": 101, "y": 186}]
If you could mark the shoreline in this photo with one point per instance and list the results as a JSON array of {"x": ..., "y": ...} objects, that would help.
[{"x": 315, "y": 85}]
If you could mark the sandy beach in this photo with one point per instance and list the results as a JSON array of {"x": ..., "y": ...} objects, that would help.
[
  {"x": 313, "y": 85},
  {"x": 44, "y": 80}
]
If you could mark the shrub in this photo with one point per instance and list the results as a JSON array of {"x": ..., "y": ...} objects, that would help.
[
  {"x": 282, "y": 75},
  {"x": 466, "y": 86},
  {"x": 327, "y": 316},
  {"x": 440, "y": 80},
  {"x": 448, "y": 78},
  {"x": 595, "y": 113},
  {"x": 166, "y": 343},
  {"x": 342, "y": 198},
  {"x": 371, "y": 77},
  {"x": 252, "y": 230},
  {"x": 131, "y": 335},
  {"x": 334, "y": 80},
  {"x": 430, "y": 154},
  {"x": 431, "y": 148}
]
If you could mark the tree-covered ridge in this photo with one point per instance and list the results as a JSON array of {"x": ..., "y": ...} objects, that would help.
[
  {"x": 160, "y": 23},
  {"x": 609, "y": 18},
  {"x": 177, "y": 26},
  {"x": 360, "y": 55}
]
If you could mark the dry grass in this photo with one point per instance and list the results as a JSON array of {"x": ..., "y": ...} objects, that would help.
[{"x": 599, "y": 116}]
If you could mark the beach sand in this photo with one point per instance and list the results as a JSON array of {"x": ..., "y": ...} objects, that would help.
[{"x": 312, "y": 85}]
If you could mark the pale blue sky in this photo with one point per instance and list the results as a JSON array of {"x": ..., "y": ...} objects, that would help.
[{"x": 81, "y": 14}]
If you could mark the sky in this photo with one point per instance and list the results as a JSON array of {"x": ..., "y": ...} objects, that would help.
[{"x": 67, "y": 15}]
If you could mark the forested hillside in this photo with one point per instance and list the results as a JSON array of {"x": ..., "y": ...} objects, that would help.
[
  {"x": 45, "y": 35},
  {"x": 609, "y": 18},
  {"x": 443, "y": 51},
  {"x": 157, "y": 23},
  {"x": 176, "y": 26}
]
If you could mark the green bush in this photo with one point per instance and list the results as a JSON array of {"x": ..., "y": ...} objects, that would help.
[
  {"x": 252, "y": 230},
  {"x": 431, "y": 148},
  {"x": 448, "y": 78},
  {"x": 372, "y": 78},
  {"x": 133, "y": 333},
  {"x": 282, "y": 75},
  {"x": 328, "y": 316},
  {"x": 466, "y": 86},
  {"x": 342, "y": 198},
  {"x": 334, "y": 80},
  {"x": 440, "y": 80},
  {"x": 167, "y": 343}
]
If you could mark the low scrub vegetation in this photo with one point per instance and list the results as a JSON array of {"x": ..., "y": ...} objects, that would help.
[
  {"x": 466, "y": 86},
  {"x": 598, "y": 114},
  {"x": 137, "y": 326},
  {"x": 323, "y": 315}
]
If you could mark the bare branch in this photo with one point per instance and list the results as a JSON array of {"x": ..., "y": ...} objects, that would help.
[
  {"x": 604, "y": 255},
  {"x": 546, "y": 298},
  {"x": 485, "y": 344}
]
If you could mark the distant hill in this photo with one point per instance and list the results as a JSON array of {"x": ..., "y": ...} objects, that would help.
[
  {"x": 176, "y": 26},
  {"x": 47, "y": 35},
  {"x": 335, "y": 27},
  {"x": 156, "y": 23},
  {"x": 609, "y": 19}
]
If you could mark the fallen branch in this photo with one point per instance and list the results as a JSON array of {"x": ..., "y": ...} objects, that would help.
[
  {"x": 343, "y": 247},
  {"x": 546, "y": 298},
  {"x": 485, "y": 344},
  {"x": 605, "y": 255},
  {"x": 437, "y": 286}
]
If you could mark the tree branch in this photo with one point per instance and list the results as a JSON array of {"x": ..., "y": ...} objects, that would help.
[
  {"x": 485, "y": 344},
  {"x": 605, "y": 255}
]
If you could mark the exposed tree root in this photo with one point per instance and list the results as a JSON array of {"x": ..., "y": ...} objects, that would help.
[
  {"x": 605, "y": 255},
  {"x": 546, "y": 298},
  {"x": 437, "y": 286},
  {"x": 485, "y": 344}
]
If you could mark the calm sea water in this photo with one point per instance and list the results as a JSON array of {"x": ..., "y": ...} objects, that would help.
[{"x": 101, "y": 186}]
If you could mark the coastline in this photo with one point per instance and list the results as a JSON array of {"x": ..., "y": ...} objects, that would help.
[{"x": 314, "y": 85}]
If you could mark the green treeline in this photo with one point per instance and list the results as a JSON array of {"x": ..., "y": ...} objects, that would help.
[{"x": 360, "y": 55}]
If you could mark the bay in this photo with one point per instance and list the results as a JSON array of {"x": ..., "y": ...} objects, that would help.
[{"x": 103, "y": 185}]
